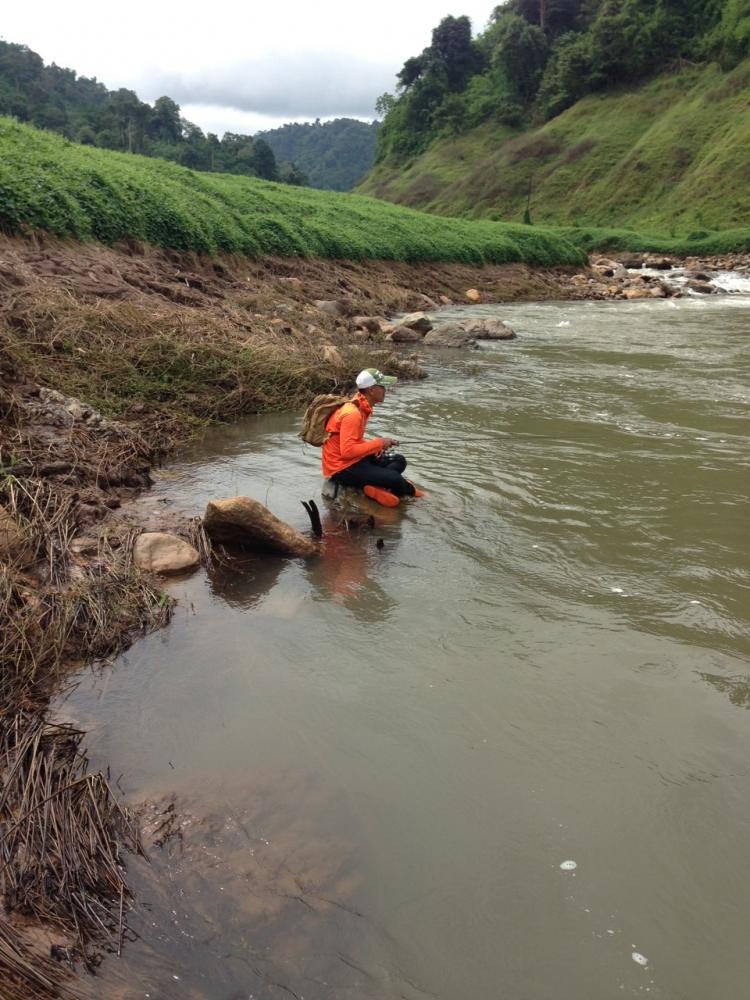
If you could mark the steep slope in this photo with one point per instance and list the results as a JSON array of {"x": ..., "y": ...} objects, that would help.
[{"x": 669, "y": 156}]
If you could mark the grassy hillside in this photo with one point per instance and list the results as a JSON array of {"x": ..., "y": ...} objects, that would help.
[
  {"x": 49, "y": 183},
  {"x": 669, "y": 156}
]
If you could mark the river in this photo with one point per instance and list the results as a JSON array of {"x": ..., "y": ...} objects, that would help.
[{"x": 382, "y": 759}]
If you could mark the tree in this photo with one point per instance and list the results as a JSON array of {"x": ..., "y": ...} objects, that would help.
[
  {"x": 263, "y": 162},
  {"x": 165, "y": 121},
  {"x": 552, "y": 16},
  {"x": 521, "y": 51},
  {"x": 453, "y": 51},
  {"x": 411, "y": 71},
  {"x": 384, "y": 104}
]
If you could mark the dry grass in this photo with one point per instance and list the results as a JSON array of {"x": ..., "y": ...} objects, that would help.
[
  {"x": 62, "y": 832},
  {"x": 63, "y": 838}
]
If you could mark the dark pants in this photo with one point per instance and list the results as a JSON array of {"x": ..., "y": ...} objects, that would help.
[{"x": 384, "y": 471}]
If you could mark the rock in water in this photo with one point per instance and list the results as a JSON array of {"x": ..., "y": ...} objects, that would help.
[
  {"x": 449, "y": 335},
  {"x": 404, "y": 335},
  {"x": 489, "y": 329},
  {"x": 160, "y": 552},
  {"x": 417, "y": 321},
  {"x": 246, "y": 523}
]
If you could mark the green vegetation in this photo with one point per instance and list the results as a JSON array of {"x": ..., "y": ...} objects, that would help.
[
  {"x": 538, "y": 57},
  {"x": 332, "y": 155},
  {"x": 666, "y": 156},
  {"x": 84, "y": 111},
  {"x": 48, "y": 183},
  {"x": 598, "y": 112}
]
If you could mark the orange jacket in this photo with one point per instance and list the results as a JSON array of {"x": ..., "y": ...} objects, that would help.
[{"x": 346, "y": 444}]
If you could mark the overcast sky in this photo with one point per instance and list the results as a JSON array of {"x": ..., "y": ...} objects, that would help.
[{"x": 238, "y": 66}]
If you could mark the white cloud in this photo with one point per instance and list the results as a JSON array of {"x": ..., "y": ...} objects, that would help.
[
  {"x": 292, "y": 60},
  {"x": 312, "y": 84}
]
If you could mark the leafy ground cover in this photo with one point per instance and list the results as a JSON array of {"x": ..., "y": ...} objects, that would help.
[{"x": 48, "y": 183}]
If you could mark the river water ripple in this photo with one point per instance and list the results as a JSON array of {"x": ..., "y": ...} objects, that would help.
[{"x": 383, "y": 757}]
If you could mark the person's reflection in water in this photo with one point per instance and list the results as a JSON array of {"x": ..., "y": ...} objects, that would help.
[{"x": 350, "y": 560}]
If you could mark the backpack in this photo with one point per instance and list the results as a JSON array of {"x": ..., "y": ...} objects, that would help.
[{"x": 317, "y": 415}]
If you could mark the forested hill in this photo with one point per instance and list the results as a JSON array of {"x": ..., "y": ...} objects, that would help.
[
  {"x": 333, "y": 155},
  {"x": 576, "y": 111},
  {"x": 85, "y": 111}
]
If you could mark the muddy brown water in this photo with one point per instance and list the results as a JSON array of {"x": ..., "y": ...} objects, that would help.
[{"x": 381, "y": 759}]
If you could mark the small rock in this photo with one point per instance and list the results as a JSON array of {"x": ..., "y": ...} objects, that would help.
[
  {"x": 422, "y": 301},
  {"x": 606, "y": 262},
  {"x": 701, "y": 287},
  {"x": 444, "y": 300},
  {"x": 404, "y": 335},
  {"x": 160, "y": 552},
  {"x": 637, "y": 293},
  {"x": 332, "y": 355},
  {"x": 632, "y": 261},
  {"x": 473, "y": 295},
  {"x": 660, "y": 263},
  {"x": 370, "y": 323}
]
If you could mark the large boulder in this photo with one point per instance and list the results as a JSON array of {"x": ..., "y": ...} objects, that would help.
[
  {"x": 417, "y": 321},
  {"x": 246, "y": 523},
  {"x": 449, "y": 335},
  {"x": 160, "y": 552},
  {"x": 489, "y": 329}
]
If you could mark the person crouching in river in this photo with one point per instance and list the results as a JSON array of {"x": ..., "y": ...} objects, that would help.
[{"x": 350, "y": 460}]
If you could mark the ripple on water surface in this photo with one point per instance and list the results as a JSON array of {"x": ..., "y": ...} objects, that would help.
[{"x": 545, "y": 659}]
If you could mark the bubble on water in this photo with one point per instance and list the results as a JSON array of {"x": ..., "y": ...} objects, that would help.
[
  {"x": 563, "y": 323},
  {"x": 617, "y": 590},
  {"x": 695, "y": 602},
  {"x": 568, "y": 866},
  {"x": 639, "y": 959}
]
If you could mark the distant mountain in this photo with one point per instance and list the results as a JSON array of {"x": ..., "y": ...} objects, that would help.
[{"x": 332, "y": 155}]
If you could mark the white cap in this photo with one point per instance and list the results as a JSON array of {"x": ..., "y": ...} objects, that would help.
[{"x": 371, "y": 376}]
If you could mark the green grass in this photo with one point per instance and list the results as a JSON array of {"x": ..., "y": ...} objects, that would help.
[
  {"x": 668, "y": 158},
  {"x": 48, "y": 183}
]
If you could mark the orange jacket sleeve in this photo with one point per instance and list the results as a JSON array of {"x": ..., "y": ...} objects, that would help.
[{"x": 351, "y": 441}]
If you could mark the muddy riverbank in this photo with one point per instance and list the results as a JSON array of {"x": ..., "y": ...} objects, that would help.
[{"x": 109, "y": 358}]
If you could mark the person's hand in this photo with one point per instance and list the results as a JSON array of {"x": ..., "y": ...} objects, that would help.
[{"x": 389, "y": 443}]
